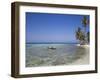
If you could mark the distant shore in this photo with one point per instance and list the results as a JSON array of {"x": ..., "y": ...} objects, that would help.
[{"x": 51, "y": 43}]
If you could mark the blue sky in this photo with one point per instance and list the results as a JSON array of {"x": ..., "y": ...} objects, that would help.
[{"x": 45, "y": 27}]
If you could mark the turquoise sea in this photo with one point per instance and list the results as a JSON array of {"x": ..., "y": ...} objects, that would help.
[{"x": 63, "y": 54}]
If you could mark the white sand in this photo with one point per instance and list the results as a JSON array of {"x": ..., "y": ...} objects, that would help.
[
  {"x": 84, "y": 59},
  {"x": 84, "y": 46}
]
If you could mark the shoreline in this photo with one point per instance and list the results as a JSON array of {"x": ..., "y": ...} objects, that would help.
[{"x": 84, "y": 46}]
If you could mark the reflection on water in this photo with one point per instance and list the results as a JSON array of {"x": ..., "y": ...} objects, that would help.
[{"x": 64, "y": 54}]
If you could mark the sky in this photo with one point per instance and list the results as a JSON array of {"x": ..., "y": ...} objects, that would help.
[{"x": 47, "y": 27}]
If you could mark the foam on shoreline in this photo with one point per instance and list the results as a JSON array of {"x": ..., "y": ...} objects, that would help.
[{"x": 84, "y": 46}]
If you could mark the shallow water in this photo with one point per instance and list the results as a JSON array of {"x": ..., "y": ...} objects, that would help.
[{"x": 64, "y": 54}]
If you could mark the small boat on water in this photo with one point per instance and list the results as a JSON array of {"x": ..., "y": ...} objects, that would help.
[{"x": 52, "y": 48}]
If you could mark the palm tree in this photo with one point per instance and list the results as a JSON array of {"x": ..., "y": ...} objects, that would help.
[
  {"x": 85, "y": 22},
  {"x": 88, "y": 36},
  {"x": 80, "y": 36},
  {"x": 78, "y": 33}
]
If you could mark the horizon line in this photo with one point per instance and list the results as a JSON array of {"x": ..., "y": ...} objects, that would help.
[{"x": 49, "y": 42}]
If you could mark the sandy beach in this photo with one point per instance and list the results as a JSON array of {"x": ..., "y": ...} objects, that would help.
[{"x": 83, "y": 60}]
